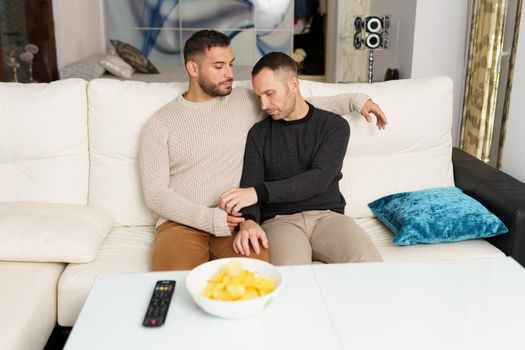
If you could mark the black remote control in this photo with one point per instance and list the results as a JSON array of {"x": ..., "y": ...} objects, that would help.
[{"x": 159, "y": 303}]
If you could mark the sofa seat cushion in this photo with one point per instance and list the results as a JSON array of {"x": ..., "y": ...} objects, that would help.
[
  {"x": 51, "y": 232},
  {"x": 125, "y": 250},
  {"x": 27, "y": 303},
  {"x": 383, "y": 240}
]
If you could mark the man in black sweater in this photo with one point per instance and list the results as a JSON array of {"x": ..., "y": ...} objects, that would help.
[{"x": 290, "y": 181}]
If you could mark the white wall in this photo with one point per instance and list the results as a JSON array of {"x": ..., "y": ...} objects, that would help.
[
  {"x": 513, "y": 157},
  {"x": 427, "y": 37},
  {"x": 440, "y": 47},
  {"x": 399, "y": 55},
  {"x": 79, "y": 29}
]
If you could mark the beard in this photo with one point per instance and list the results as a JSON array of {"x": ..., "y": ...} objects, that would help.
[{"x": 212, "y": 89}]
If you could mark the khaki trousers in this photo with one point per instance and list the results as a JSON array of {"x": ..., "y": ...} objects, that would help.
[
  {"x": 321, "y": 235},
  {"x": 180, "y": 247}
]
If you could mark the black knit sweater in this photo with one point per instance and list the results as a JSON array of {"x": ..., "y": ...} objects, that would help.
[{"x": 295, "y": 165}]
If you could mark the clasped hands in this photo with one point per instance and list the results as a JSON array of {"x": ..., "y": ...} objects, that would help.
[
  {"x": 234, "y": 200},
  {"x": 250, "y": 233}
]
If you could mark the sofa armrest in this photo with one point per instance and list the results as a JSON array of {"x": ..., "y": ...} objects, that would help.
[{"x": 500, "y": 193}]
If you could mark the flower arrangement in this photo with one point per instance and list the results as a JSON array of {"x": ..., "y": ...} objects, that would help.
[
  {"x": 298, "y": 56},
  {"x": 13, "y": 65},
  {"x": 27, "y": 56}
]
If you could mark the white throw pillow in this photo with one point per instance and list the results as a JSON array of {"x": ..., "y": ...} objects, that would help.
[
  {"x": 52, "y": 232},
  {"x": 117, "y": 66}
]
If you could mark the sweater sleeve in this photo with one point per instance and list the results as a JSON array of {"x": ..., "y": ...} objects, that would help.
[
  {"x": 154, "y": 169},
  {"x": 326, "y": 165},
  {"x": 340, "y": 104},
  {"x": 252, "y": 175}
]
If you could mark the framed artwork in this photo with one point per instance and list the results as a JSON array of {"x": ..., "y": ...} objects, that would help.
[{"x": 159, "y": 28}]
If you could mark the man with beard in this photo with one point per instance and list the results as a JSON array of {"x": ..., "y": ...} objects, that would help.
[{"x": 192, "y": 151}]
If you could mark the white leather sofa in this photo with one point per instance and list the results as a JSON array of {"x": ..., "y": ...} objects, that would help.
[{"x": 76, "y": 142}]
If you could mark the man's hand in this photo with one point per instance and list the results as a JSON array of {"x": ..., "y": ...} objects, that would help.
[
  {"x": 234, "y": 221},
  {"x": 371, "y": 107},
  {"x": 249, "y": 234},
  {"x": 237, "y": 198}
]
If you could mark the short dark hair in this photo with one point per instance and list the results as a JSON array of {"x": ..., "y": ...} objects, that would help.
[
  {"x": 275, "y": 61},
  {"x": 204, "y": 40}
]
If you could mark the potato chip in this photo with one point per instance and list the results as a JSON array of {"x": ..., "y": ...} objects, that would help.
[{"x": 233, "y": 283}]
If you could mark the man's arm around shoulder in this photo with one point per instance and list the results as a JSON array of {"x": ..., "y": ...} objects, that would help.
[{"x": 353, "y": 102}]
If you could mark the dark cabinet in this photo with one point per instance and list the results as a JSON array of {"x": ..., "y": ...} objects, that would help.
[{"x": 23, "y": 22}]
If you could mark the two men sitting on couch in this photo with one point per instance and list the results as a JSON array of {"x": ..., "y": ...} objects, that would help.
[{"x": 192, "y": 152}]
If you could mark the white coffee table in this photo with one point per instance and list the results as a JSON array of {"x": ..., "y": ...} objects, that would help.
[{"x": 462, "y": 304}]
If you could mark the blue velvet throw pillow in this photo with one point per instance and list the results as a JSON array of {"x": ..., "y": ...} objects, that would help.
[{"x": 436, "y": 215}]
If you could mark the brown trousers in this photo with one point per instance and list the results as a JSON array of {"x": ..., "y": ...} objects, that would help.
[{"x": 180, "y": 247}]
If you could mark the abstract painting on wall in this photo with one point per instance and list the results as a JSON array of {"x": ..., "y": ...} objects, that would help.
[{"x": 161, "y": 27}]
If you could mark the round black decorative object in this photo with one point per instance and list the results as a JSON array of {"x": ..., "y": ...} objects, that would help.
[
  {"x": 374, "y": 24},
  {"x": 358, "y": 24},
  {"x": 373, "y": 41},
  {"x": 358, "y": 41}
]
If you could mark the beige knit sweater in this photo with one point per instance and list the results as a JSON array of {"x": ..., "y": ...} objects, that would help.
[{"x": 192, "y": 152}]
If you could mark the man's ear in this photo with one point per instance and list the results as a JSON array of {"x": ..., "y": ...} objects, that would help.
[
  {"x": 193, "y": 68},
  {"x": 293, "y": 83}
]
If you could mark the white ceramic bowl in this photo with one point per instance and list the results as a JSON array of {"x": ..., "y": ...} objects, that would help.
[{"x": 198, "y": 278}]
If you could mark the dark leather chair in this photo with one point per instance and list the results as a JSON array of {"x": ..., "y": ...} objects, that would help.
[{"x": 500, "y": 193}]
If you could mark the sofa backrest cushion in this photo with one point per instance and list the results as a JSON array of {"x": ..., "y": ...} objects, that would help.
[
  {"x": 413, "y": 152},
  {"x": 117, "y": 112},
  {"x": 43, "y": 142}
]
